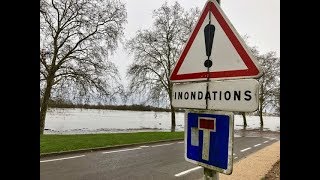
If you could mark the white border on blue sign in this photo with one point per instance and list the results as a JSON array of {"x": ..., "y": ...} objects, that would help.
[{"x": 229, "y": 169}]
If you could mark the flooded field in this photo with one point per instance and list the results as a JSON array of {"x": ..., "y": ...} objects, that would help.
[{"x": 79, "y": 121}]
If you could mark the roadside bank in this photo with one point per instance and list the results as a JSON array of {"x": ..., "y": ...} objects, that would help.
[{"x": 255, "y": 166}]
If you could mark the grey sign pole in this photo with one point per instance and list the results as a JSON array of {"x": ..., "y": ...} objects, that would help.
[{"x": 208, "y": 173}]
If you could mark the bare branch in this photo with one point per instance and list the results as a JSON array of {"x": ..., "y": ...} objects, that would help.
[
  {"x": 78, "y": 36},
  {"x": 155, "y": 51}
]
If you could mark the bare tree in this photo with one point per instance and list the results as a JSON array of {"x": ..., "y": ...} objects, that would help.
[
  {"x": 156, "y": 50},
  {"x": 269, "y": 91},
  {"x": 76, "y": 37},
  {"x": 277, "y": 101}
]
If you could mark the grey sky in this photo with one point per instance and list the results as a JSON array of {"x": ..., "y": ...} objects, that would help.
[{"x": 259, "y": 19}]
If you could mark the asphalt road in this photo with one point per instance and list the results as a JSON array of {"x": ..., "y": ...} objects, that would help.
[{"x": 154, "y": 161}]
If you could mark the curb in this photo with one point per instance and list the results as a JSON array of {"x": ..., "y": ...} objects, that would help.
[{"x": 105, "y": 148}]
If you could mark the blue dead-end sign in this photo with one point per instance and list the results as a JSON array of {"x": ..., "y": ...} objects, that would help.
[{"x": 209, "y": 139}]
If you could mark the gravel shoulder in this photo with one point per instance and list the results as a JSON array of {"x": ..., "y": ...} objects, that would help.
[{"x": 258, "y": 165}]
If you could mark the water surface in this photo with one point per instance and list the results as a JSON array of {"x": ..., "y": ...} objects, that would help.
[{"x": 78, "y": 121}]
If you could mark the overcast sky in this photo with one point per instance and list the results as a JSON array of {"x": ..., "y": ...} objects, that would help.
[{"x": 259, "y": 19}]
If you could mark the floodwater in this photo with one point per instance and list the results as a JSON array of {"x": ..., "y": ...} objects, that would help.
[{"x": 84, "y": 121}]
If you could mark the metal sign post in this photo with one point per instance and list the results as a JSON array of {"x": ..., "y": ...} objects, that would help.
[{"x": 208, "y": 173}]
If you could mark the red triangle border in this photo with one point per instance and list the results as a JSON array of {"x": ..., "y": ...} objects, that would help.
[{"x": 252, "y": 69}]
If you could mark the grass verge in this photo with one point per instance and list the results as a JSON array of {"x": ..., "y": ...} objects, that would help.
[{"x": 60, "y": 143}]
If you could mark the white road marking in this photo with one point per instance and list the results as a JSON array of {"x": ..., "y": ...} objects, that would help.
[
  {"x": 162, "y": 145},
  {"x": 234, "y": 154},
  {"x": 245, "y": 149},
  {"x": 257, "y": 145},
  {"x": 121, "y": 150},
  {"x": 62, "y": 158},
  {"x": 144, "y": 146},
  {"x": 180, "y": 142},
  {"x": 235, "y": 157},
  {"x": 187, "y": 171},
  {"x": 265, "y": 141}
]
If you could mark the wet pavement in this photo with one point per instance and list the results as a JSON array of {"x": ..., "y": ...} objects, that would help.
[{"x": 257, "y": 133}]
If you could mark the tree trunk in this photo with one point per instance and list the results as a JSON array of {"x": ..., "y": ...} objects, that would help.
[
  {"x": 260, "y": 114},
  {"x": 44, "y": 104},
  {"x": 244, "y": 119},
  {"x": 173, "y": 115},
  {"x": 173, "y": 119},
  {"x": 261, "y": 99}
]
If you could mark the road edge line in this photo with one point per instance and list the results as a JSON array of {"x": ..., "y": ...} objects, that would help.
[{"x": 106, "y": 148}]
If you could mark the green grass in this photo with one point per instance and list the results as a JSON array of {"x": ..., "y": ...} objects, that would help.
[{"x": 59, "y": 143}]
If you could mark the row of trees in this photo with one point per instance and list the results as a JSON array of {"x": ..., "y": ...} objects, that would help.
[{"x": 77, "y": 36}]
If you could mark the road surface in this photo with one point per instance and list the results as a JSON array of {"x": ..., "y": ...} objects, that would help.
[{"x": 154, "y": 161}]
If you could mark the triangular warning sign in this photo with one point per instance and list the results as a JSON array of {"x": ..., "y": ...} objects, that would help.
[{"x": 215, "y": 50}]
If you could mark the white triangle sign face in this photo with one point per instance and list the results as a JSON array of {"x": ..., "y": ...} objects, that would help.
[{"x": 228, "y": 57}]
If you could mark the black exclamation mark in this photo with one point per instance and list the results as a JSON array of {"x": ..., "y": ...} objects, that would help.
[{"x": 208, "y": 37}]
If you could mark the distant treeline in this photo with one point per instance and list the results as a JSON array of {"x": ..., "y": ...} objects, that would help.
[{"x": 134, "y": 107}]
